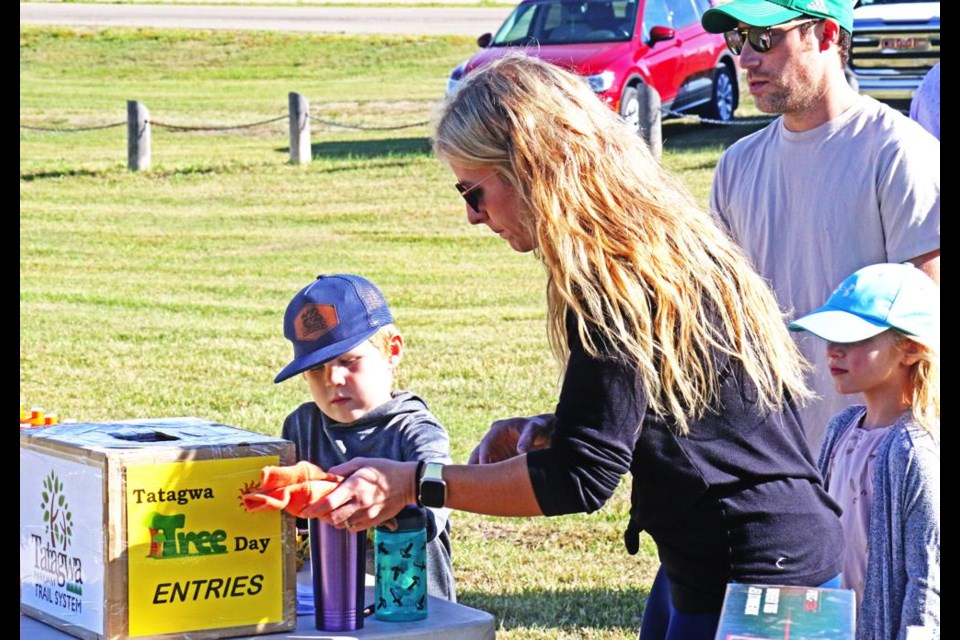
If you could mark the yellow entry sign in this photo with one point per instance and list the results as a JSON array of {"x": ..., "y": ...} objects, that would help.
[{"x": 196, "y": 558}]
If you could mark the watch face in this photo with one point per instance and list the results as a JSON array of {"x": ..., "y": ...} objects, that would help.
[{"x": 433, "y": 494}]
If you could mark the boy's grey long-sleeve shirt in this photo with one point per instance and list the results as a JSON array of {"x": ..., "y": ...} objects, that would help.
[{"x": 402, "y": 429}]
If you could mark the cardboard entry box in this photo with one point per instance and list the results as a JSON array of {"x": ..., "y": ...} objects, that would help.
[{"x": 136, "y": 529}]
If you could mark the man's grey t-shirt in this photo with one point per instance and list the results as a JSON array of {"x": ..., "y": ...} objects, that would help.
[{"x": 810, "y": 208}]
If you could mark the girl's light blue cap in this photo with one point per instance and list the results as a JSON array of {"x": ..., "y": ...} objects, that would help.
[{"x": 877, "y": 298}]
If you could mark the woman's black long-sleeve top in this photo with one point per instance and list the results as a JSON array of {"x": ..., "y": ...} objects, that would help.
[{"x": 738, "y": 499}]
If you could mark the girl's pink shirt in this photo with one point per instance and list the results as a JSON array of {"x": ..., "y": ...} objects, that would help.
[{"x": 851, "y": 486}]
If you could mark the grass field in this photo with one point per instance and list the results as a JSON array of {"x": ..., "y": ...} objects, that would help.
[{"x": 161, "y": 293}]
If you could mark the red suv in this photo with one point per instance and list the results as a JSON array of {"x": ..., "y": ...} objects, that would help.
[{"x": 620, "y": 44}]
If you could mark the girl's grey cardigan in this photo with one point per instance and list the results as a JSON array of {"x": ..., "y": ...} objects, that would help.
[{"x": 902, "y": 588}]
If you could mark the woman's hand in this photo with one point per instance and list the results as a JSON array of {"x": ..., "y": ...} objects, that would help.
[
  {"x": 373, "y": 492},
  {"x": 512, "y": 437}
]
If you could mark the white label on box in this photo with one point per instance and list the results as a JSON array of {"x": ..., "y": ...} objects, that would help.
[
  {"x": 771, "y": 600},
  {"x": 62, "y": 538},
  {"x": 754, "y": 595}
]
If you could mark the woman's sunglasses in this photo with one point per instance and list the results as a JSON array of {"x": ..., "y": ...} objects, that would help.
[
  {"x": 472, "y": 194},
  {"x": 760, "y": 38}
]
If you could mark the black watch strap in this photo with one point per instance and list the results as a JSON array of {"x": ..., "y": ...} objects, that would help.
[
  {"x": 431, "y": 488},
  {"x": 416, "y": 480}
]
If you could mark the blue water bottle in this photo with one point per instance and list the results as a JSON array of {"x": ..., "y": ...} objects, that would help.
[{"x": 401, "y": 567}]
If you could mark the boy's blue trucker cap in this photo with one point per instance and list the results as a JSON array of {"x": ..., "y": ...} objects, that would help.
[
  {"x": 329, "y": 317},
  {"x": 769, "y": 13},
  {"x": 877, "y": 298}
]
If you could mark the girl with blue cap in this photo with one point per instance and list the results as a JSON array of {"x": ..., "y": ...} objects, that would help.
[{"x": 881, "y": 460}]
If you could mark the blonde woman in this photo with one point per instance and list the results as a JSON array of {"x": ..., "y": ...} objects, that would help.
[{"x": 678, "y": 367}]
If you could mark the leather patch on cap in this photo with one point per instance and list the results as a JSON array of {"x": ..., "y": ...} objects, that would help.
[{"x": 314, "y": 320}]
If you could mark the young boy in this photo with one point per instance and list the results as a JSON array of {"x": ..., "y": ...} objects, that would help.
[{"x": 347, "y": 348}]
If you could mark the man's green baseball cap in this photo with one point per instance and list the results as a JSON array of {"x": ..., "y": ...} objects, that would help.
[{"x": 768, "y": 13}]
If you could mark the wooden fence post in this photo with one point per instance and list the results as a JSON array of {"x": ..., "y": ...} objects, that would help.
[
  {"x": 138, "y": 136},
  {"x": 651, "y": 119},
  {"x": 300, "y": 150}
]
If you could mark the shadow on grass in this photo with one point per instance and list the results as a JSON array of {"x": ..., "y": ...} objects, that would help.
[
  {"x": 191, "y": 170},
  {"x": 30, "y": 176},
  {"x": 678, "y": 135},
  {"x": 381, "y": 153},
  {"x": 690, "y": 135},
  {"x": 194, "y": 170},
  {"x": 369, "y": 148},
  {"x": 562, "y": 609}
]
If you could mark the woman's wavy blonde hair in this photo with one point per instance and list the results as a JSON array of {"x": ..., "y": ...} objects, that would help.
[{"x": 626, "y": 249}]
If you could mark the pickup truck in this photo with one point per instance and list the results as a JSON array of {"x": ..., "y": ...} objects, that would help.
[{"x": 894, "y": 44}]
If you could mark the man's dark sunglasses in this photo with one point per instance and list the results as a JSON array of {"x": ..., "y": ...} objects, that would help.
[
  {"x": 472, "y": 194},
  {"x": 760, "y": 38}
]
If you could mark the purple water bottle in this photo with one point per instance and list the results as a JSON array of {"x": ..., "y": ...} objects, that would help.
[{"x": 338, "y": 561}]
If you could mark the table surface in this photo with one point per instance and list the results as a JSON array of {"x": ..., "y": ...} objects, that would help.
[{"x": 447, "y": 620}]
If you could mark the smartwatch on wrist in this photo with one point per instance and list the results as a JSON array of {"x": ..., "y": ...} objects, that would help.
[{"x": 431, "y": 489}]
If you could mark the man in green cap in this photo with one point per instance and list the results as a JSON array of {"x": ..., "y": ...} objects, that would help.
[{"x": 838, "y": 182}]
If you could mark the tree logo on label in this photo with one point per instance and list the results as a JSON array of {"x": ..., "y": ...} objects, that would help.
[{"x": 57, "y": 517}]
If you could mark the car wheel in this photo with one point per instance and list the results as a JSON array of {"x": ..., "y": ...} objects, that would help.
[
  {"x": 630, "y": 108},
  {"x": 725, "y": 95}
]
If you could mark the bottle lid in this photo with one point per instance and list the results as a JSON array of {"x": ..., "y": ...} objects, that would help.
[{"x": 410, "y": 518}]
